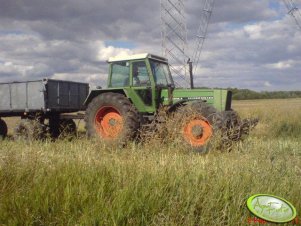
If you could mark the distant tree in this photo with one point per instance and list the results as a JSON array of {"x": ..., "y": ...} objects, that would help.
[{"x": 247, "y": 94}]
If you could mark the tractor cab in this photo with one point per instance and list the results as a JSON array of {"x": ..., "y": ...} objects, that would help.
[
  {"x": 142, "y": 76},
  {"x": 139, "y": 70}
]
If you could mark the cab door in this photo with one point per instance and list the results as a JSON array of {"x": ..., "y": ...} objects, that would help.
[{"x": 141, "y": 84}]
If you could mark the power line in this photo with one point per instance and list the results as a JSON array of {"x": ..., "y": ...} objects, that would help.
[{"x": 294, "y": 11}]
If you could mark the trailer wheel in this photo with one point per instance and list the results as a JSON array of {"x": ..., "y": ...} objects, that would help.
[
  {"x": 29, "y": 130},
  {"x": 62, "y": 128},
  {"x": 112, "y": 118},
  {"x": 67, "y": 128},
  {"x": 3, "y": 129}
]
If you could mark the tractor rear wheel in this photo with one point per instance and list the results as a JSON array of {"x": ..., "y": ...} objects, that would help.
[
  {"x": 199, "y": 122},
  {"x": 3, "y": 129},
  {"x": 112, "y": 118}
]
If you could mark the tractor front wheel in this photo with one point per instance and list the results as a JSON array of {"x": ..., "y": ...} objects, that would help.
[
  {"x": 199, "y": 122},
  {"x": 197, "y": 132},
  {"x": 112, "y": 118}
]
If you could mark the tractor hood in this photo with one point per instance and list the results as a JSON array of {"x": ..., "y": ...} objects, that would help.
[{"x": 219, "y": 98}]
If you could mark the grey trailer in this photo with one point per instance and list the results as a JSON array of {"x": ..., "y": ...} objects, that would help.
[
  {"x": 45, "y": 96},
  {"x": 40, "y": 100}
]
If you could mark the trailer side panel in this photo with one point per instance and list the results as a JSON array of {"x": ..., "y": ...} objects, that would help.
[
  {"x": 5, "y": 100},
  {"x": 22, "y": 96},
  {"x": 65, "y": 95},
  {"x": 45, "y": 95}
]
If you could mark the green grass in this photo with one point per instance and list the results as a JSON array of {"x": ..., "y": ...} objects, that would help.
[{"x": 84, "y": 182}]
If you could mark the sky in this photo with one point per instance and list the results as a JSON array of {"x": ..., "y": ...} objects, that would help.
[{"x": 250, "y": 44}]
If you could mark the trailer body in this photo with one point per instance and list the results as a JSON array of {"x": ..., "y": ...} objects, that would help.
[{"x": 46, "y": 96}]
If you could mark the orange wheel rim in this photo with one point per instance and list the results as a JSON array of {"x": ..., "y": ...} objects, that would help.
[
  {"x": 197, "y": 132},
  {"x": 108, "y": 123}
]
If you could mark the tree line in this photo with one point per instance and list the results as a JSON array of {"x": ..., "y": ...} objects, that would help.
[{"x": 246, "y": 94}]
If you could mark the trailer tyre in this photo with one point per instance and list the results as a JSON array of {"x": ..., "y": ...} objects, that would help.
[
  {"x": 29, "y": 130},
  {"x": 3, "y": 129},
  {"x": 112, "y": 118},
  {"x": 62, "y": 128},
  {"x": 67, "y": 128}
]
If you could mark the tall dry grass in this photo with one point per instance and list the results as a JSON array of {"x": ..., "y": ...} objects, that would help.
[
  {"x": 85, "y": 182},
  {"x": 278, "y": 118}
]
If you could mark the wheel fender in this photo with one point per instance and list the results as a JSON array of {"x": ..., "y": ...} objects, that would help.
[
  {"x": 181, "y": 103},
  {"x": 95, "y": 93}
]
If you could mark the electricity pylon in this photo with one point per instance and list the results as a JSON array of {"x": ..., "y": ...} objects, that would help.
[
  {"x": 293, "y": 11},
  {"x": 174, "y": 38}
]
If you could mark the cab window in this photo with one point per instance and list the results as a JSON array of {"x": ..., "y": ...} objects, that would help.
[
  {"x": 161, "y": 73},
  {"x": 140, "y": 74},
  {"x": 120, "y": 74}
]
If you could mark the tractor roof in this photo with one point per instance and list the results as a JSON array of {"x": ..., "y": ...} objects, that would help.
[{"x": 137, "y": 57}]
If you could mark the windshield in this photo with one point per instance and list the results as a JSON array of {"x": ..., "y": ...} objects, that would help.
[{"x": 161, "y": 73}]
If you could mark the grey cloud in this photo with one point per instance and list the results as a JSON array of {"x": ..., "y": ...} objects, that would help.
[
  {"x": 91, "y": 19},
  {"x": 59, "y": 38}
]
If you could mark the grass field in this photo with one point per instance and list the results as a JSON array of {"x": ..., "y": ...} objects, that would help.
[{"x": 83, "y": 182}]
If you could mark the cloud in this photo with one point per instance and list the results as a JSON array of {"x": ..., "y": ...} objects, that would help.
[
  {"x": 250, "y": 43},
  {"x": 282, "y": 65},
  {"x": 105, "y": 53},
  {"x": 254, "y": 31},
  {"x": 267, "y": 84}
]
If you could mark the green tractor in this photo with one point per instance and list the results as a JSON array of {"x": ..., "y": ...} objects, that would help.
[{"x": 139, "y": 86}]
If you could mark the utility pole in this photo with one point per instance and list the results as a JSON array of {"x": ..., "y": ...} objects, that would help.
[{"x": 190, "y": 73}]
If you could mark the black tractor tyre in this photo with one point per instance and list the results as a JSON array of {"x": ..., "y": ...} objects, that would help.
[
  {"x": 112, "y": 118},
  {"x": 29, "y": 130},
  {"x": 235, "y": 129},
  {"x": 210, "y": 113},
  {"x": 3, "y": 129},
  {"x": 199, "y": 112},
  {"x": 230, "y": 119}
]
